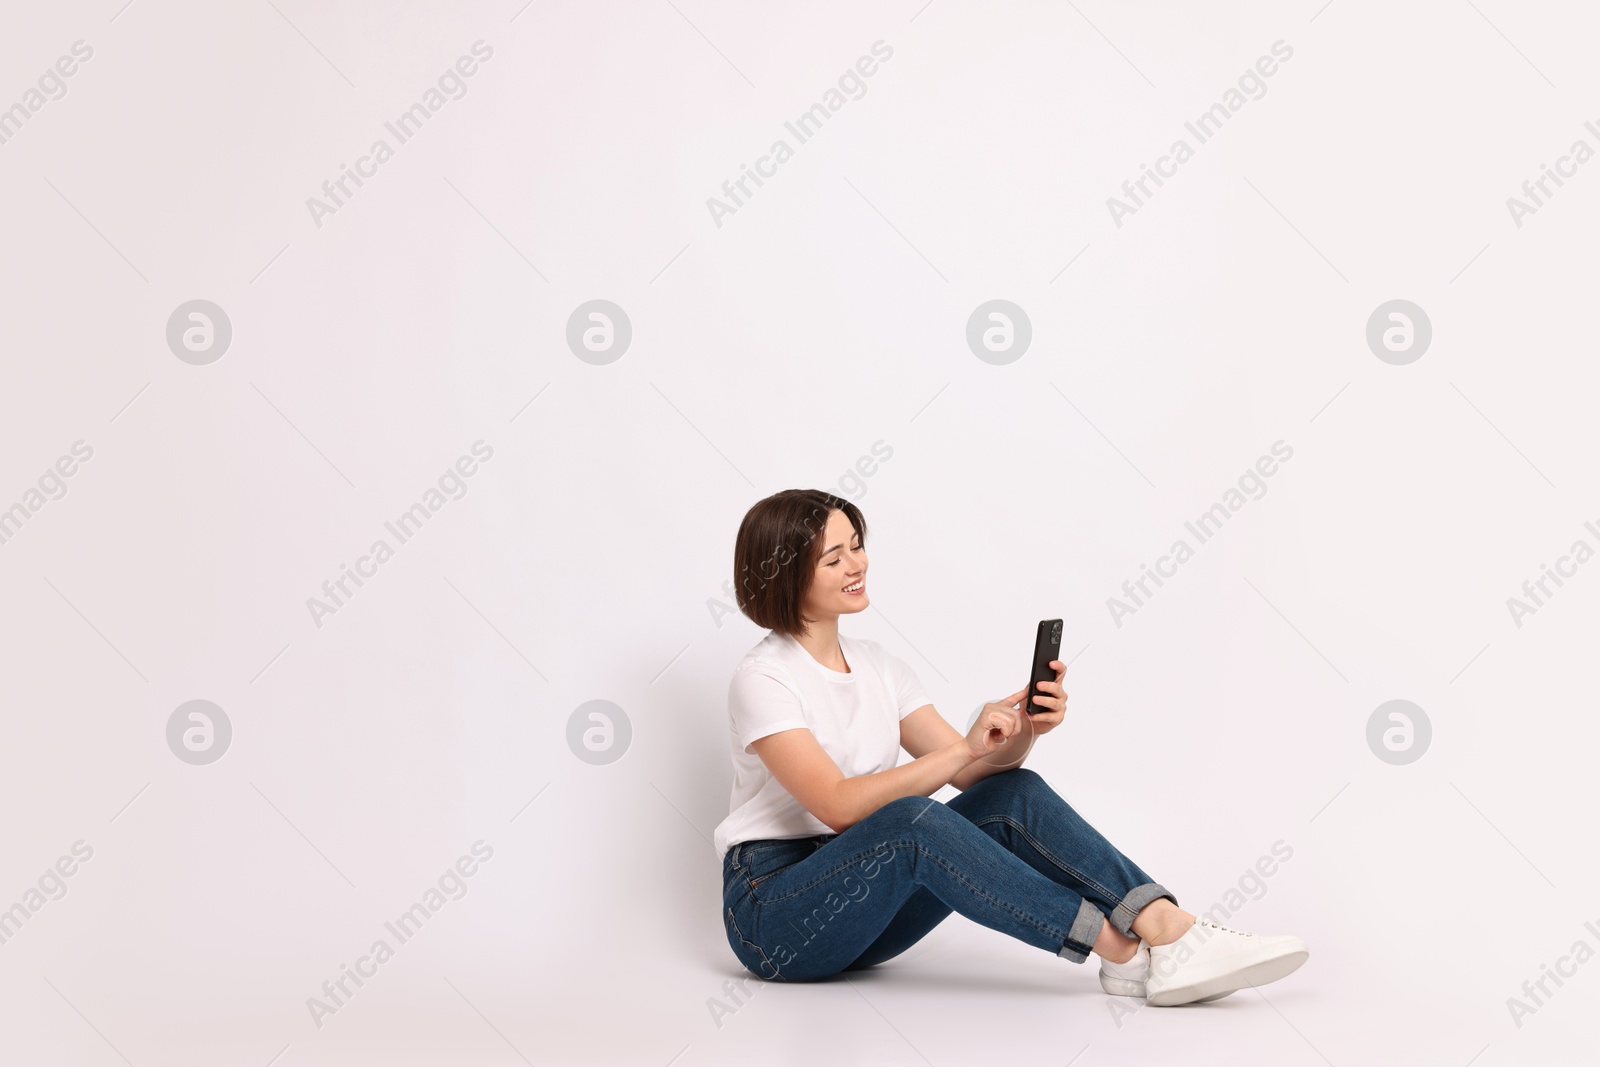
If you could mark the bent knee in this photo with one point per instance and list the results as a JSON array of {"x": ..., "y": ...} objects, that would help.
[
  {"x": 911, "y": 808},
  {"x": 1021, "y": 780},
  {"x": 914, "y": 802}
]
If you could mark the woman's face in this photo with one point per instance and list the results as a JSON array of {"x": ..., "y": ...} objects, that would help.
[{"x": 839, "y": 586}]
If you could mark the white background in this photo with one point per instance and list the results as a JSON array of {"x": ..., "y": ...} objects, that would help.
[{"x": 827, "y": 314}]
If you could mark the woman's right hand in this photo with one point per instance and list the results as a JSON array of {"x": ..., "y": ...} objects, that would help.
[{"x": 997, "y": 723}]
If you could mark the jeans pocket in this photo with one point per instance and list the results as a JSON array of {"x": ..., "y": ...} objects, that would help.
[
  {"x": 735, "y": 885},
  {"x": 767, "y": 861}
]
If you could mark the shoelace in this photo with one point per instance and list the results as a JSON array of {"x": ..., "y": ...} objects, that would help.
[{"x": 1219, "y": 926}]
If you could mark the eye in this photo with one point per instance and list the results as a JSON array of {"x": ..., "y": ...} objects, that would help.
[{"x": 835, "y": 563}]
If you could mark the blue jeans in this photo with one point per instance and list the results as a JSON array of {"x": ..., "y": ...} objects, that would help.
[{"x": 1008, "y": 853}]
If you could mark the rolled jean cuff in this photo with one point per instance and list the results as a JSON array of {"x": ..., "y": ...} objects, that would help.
[
  {"x": 1127, "y": 910},
  {"x": 1081, "y": 938}
]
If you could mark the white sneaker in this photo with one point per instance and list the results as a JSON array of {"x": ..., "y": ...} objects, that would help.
[
  {"x": 1128, "y": 979},
  {"x": 1212, "y": 960}
]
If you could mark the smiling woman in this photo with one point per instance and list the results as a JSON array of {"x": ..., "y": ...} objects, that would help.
[{"x": 816, "y": 722}]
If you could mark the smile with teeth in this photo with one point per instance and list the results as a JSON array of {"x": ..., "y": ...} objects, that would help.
[{"x": 855, "y": 590}]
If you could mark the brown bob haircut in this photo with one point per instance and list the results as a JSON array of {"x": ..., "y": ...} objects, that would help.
[{"x": 777, "y": 551}]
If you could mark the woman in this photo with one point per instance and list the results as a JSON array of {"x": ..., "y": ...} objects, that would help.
[{"x": 835, "y": 859}]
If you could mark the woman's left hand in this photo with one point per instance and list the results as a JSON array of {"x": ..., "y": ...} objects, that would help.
[{"x": 1052, "y": 699}]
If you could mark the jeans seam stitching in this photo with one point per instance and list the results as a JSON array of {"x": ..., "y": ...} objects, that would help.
[
  {"x": 1002, "y": 905},
  {"x": 1021, "y": 915},
  {"x": 1023, "y": 830},
  {"x": 821, "y": 877},
  {"x": 764, "y": 958}
]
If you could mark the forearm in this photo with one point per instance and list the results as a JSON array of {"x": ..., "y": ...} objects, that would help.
[
  {"x": 978, "y": 770},
  {"x": 856, "y": 798}
]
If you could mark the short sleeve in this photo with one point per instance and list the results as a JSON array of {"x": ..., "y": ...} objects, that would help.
[
  {"x": 762, "y": 703},
  {"x": 903, "y": 685}
]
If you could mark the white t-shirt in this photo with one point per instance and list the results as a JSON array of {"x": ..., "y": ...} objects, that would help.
[{"x": 854, "y": 716}]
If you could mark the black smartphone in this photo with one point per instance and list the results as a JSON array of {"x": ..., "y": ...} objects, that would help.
[{"x": 1046, "y": 647}]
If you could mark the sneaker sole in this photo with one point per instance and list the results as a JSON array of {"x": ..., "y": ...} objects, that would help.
[
  {"x": 1211, "y": 988},
  {"x": 1127, "y": 987},
  {"x": 1121, "y": 987}
]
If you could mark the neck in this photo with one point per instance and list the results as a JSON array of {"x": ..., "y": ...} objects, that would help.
[{"x": 822, "y": 641}]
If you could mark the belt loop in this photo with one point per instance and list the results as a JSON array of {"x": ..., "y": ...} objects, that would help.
[{"x": 736, "y": 853}]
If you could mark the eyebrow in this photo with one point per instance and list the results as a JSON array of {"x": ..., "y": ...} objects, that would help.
[{"x": 836, "y": 548}]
